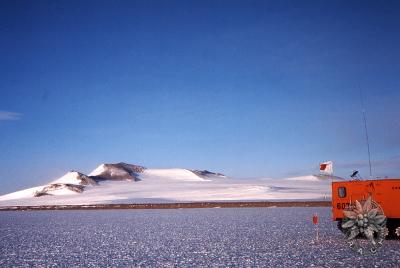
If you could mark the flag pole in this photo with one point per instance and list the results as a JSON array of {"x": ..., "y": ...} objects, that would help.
[{"x": 315, "y": 221}]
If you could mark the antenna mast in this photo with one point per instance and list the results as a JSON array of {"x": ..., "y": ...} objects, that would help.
[{"x": 366, "y": 134}]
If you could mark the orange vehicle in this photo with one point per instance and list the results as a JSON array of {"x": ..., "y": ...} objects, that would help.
[{"x": 385, "y": 192}]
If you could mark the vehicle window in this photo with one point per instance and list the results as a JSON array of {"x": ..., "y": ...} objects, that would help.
[{"x": 342, "y": 192}]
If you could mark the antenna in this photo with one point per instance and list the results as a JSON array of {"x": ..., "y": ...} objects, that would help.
[{"x": 366, "y": 133}]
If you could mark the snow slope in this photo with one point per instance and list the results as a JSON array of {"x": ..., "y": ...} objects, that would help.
[{"x": 125, "y": 183}]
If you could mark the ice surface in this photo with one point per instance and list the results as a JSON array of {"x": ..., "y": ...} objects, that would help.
[{"x": 235, "y": 237}]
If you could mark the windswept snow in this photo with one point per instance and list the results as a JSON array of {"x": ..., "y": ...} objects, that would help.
[
  {"x": 125, "y": 183},
  {"x": 175, "y": 174}
]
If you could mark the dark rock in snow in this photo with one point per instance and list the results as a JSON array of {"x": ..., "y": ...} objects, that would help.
[
  {"x": 58, "y": 186},
  {"x": 206, "y": 173}
]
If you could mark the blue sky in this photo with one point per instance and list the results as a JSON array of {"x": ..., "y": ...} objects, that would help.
[{"x": 247, "y": 88}]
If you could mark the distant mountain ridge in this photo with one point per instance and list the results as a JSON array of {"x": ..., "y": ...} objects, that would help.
[{"x": 124, "y": 183}]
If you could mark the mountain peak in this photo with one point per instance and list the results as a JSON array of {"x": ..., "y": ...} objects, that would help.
[{"x": 118, "y": 171}]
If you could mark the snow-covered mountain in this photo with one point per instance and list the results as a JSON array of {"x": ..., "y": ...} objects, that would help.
[{"x": 126, "y": 183}]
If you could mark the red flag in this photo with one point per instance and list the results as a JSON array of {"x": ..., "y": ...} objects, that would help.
[
  {"x": 326, "y": 167},
  {"x": 322, "y": 166},
  {"x": 315, "y": 218}
]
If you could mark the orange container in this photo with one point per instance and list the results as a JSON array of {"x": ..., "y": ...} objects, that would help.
[{"x": 385, "y": 192}]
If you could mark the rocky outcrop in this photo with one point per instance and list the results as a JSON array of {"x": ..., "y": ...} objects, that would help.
[
  {"x": 86, "y": 180},
  {"x": 59, "y": 186}
]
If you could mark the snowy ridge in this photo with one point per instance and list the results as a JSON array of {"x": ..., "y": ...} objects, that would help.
[{"x": 315, "y": 178}]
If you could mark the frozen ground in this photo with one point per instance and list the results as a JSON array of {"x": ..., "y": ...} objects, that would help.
[{"x": 244, "y": 237}]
